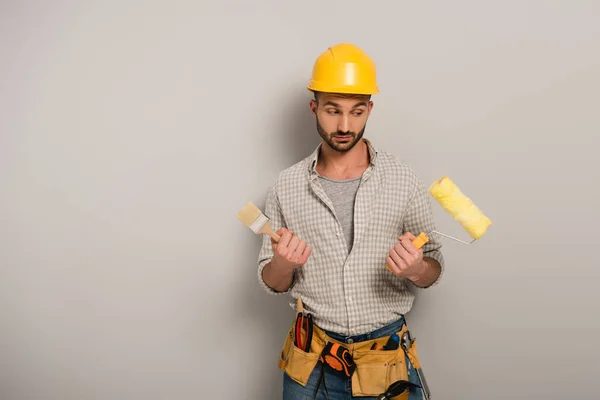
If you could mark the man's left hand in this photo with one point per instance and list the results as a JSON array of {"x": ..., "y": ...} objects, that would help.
[{"x": 405, "y": 260}]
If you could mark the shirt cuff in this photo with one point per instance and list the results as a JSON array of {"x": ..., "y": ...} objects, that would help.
[{"x": 267, "y": 288}]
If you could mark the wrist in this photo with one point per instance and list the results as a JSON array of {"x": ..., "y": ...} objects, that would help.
[
  {"x": 420, "y": 272},
  {"x": 277, "y": 278},
  {"x": 282, "y": 270}
]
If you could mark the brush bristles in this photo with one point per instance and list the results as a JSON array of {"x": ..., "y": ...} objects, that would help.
[{"x": 249, "y": 214}]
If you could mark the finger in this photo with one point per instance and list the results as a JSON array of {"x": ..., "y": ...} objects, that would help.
[
  {"x": 300, "y": 247},
  {"x": 285, "y": 239},
  {"x": 294, "y": 241},
  {"x": 305, "y": 254},
  {"x": 409, "y": 253},
  {"x": 279, "y": 233},
  {"x": 409, "y": 246},
  {"x": 392, "y": 264},
  {"x": 398, "y": 259},
  {"x": 299, "y": 250},
  {"x": 407, "y": 235},
  {"x": 402, "y": 253}
]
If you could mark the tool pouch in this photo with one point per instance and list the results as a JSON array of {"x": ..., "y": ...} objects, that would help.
[
  {"x": 376, "y": 370},
  {"x": 297, "y": 363}
]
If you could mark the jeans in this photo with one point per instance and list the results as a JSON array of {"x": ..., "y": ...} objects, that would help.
[{"x": 339, "y": 387}]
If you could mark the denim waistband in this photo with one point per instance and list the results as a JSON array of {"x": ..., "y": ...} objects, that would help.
[{"x": 386, "y": 330}]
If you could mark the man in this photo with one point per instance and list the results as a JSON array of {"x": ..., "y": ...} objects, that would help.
[{"x": 343, "y": 214}]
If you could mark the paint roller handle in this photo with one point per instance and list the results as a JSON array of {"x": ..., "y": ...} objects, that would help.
[
  {"x": 418, "y": 243},
  {"x": 420, "y": 240}
]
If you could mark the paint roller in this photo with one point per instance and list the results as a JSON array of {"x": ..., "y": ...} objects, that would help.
[{"x": 460, "y": 207}]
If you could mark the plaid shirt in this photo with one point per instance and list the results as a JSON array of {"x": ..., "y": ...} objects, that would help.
[{"x": 351, "y": 293}]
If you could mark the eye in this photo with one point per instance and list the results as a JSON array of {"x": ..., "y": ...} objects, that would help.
[
  {"x": 332, "y": 111},
  {"x": 358, "y": 113}
]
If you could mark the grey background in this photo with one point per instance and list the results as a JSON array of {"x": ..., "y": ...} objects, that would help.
[{"x": 133, "y": 132}]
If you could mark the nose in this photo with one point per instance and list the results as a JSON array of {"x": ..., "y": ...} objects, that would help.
[{"x": 343, "y": 124}]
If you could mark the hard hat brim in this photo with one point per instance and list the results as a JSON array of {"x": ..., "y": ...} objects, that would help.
[{"x": 315, "y": 87}]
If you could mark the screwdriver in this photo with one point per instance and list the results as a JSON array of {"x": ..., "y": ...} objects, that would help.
[
  {"x": 406, "y": 345},
  {"x": 392, "y": 343}
]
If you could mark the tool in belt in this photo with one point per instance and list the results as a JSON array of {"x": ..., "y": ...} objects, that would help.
[
  {"x": 306, "y": 323},
  {"x": 338, "y": 358},
  {"x": 406, "y": 343}
]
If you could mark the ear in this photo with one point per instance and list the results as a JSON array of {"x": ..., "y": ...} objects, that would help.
[
  {"x": 313, "y": 106},
  {"x": 370, "y": 107}
]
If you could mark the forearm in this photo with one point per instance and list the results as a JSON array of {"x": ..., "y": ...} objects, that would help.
[
  {"x": 431, "y": 270},
  {"x": 278, "y": 279}
]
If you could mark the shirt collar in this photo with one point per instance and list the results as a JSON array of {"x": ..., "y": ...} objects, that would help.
[{"x": 314, "y": 157}]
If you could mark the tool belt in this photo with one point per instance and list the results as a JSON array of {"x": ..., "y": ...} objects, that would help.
[{"x": 371, "y": 371}]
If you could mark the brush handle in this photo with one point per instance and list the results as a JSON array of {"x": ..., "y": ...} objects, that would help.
[
  {"x": 418, "y": 243},
  {"x": 275, "y": 237},
  {"x": 269, "y": 231}
]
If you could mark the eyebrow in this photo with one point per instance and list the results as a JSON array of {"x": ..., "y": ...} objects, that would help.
[{"x": 360, "y": 103}]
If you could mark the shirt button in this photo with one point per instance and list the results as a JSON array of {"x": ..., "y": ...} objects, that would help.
[{"x": 350, "y": 341}]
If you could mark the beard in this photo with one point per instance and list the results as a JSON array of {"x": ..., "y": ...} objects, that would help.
[{"x": 340, "y": 146}]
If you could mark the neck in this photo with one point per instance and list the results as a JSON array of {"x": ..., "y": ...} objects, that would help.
[{"x": 347, "y": 164}]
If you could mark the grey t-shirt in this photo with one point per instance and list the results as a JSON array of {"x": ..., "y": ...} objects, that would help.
[{"x": 342, "y": 194}]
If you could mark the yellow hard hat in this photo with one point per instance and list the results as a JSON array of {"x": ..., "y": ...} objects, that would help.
[{"x": 344, "y": 68}]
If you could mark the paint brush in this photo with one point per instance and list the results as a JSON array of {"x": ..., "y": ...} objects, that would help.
[{"x": 257, "y": 221}]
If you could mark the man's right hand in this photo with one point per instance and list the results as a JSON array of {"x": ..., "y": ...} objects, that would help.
[{"x": 291, "y": 252}]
